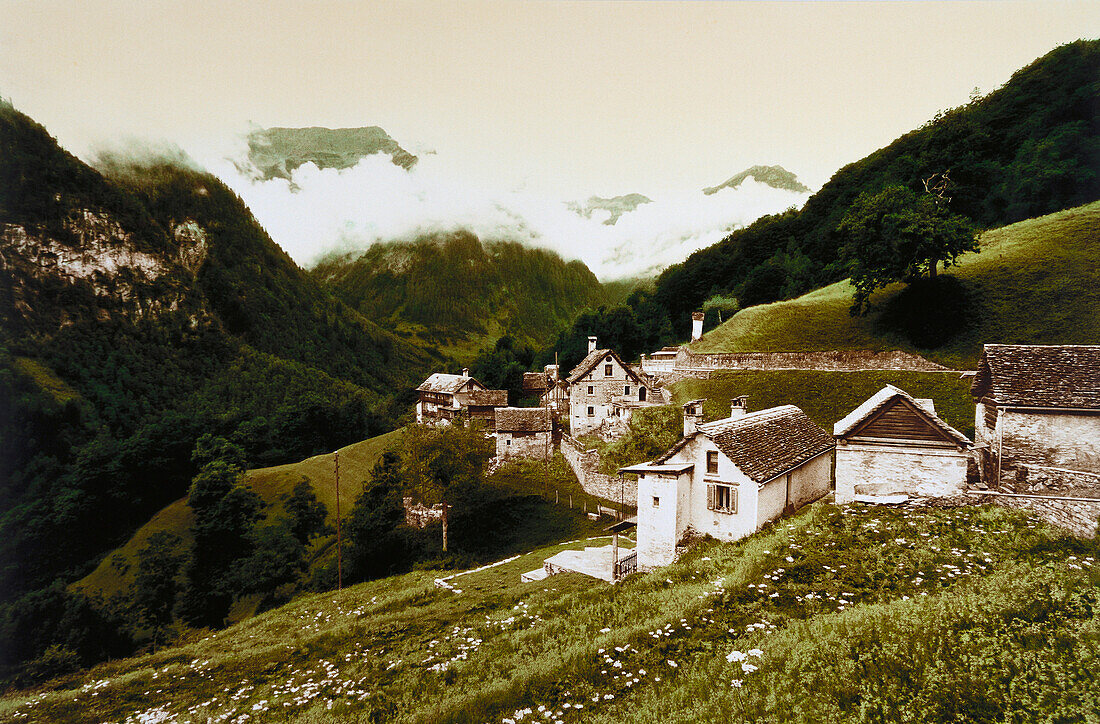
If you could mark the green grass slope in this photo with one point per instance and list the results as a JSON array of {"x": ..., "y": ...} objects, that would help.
[
  {"x": 1033, "y": 282},
  {"x": 116, "y": 572},
  {"x": 828, "y": 396},
  {"x": 841, "y": 614}
]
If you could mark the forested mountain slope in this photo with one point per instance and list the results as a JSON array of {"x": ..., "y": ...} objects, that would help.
[
  {"x": 1028, "y": 148},
  {"x": 1034, "y": 282},
  {"x": 140, "y": 308},
  {"x": 458, "y": 291}
]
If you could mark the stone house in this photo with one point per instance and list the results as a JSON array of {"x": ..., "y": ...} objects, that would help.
[
  {"x": 442, "y": 398},
  {"x": 601, "y": 387},
  {"x": 894, "y": 444},
  {"x": 729, "y": 477},
  {"x": 1037, "y": 417},
  {"x": 524, "y": 432}
]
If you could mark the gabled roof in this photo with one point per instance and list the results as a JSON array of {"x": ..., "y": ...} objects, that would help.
[
  {"x": 878, "y": 401},
  {"x": 1028, "y": 375},
  {"x": 764, "y": 444},
  {"x": 442, "y": 382},
  {"x": 594, "y": 358},
  {"x": 487, "y": 398},
  {"x": 523, "y": 419}
]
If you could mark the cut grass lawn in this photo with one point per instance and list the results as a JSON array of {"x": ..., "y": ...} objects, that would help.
[
  {"x": 1035, "y": 282},
  {"x": 842, "y": 611}
]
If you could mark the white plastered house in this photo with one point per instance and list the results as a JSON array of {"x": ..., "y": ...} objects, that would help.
[
  {"x": 894, "y": 444},
  {"x": 729, "y": 477}
]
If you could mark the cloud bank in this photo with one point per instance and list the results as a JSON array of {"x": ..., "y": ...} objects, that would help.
[{"x": 322, "y": 211}]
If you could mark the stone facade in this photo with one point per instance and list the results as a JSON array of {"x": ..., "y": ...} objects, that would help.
[
  {"x": 895, "y": 444},
  {"x": 1038, "y": 450},
  {"x": 881, "y": 469},
  {"x": 586, "y": 466},
  {"x": 600, "y": 386}
]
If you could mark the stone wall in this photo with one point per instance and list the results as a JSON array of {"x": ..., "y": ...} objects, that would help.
[
  {"x": 1078, "y": 516},
  {"x": 534, "y": 446},
  {"x": 880, "y": 469},
  {"x": 418, "y": 515},
  {"x": 586, "y": 466},
  {"x": 830, "y": 361}
]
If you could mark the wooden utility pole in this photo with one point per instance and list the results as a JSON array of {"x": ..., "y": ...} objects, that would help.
[
  {"x": 339, "y": 537},
  {"x": 445, "y": 506}
]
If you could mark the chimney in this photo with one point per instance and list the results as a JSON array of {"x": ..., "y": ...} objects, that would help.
[
  {"x": 739, "y": 406},
  {"x": 693, "y": 415},
  {"x": 591, "y": 344},
  {"x": 465, "y": 371},
  {"x": 697, "y": 325}
]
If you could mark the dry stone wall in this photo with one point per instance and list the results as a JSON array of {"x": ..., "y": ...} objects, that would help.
[
  {"x": 1078, "y": 516},
  {"x": 586, "y": 465},
  {"x": 829, "y": 361}
]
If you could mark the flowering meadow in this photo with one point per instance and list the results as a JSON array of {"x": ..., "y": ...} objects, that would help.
[{"x": 856, "y": 613}]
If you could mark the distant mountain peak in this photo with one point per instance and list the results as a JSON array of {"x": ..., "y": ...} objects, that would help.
[
  {"x": 616, "y": 206},
  {"x": 775, "y": 176},
  {"x": 276, "y": 152}
]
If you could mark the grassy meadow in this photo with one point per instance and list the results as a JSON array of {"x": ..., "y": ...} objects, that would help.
[
  {"x": 974, "y": 614},
  {"x": 1032, "y": 282},
  {"x": 828, "y": 396},
  {"x": 116, "y": 572}
]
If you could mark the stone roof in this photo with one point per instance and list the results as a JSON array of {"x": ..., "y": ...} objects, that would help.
[
  {"x": 442, "y": 382},
  {"x": 534, "y": 381},
  {"x": 487, "y": 398},
  {"x": 1058, "y": 376},
  {"x": 594, "y": 357},
  {"x": 523, "y": 419},
  {"x": 765, "y": 444},
  {"x": 877, "y": 401}
]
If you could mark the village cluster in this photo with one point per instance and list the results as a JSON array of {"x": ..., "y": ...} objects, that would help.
[{"x": 1036, "y": 446}]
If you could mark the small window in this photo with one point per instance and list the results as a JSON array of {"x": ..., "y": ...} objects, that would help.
[
  {"x": 590, "y": 388},
  {"x": 591, "y": 411},
  {"x": 656, "y": 502},
  {"x": 722, "y": 498},
  {"x": 626, "y": 390},
  {"x": 607, "y": 370},
  {"x": 507, "y": 442},
  {"x": 712, "y": 462}
]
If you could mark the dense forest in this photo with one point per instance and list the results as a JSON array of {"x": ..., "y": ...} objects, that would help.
[
  {"x": 124, "y": 341},
  {"x": 1027, "y": 148},
  {"x": 451, "y": 287}
]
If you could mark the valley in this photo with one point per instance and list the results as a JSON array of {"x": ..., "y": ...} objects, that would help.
[{"x": 281, "y": 430}]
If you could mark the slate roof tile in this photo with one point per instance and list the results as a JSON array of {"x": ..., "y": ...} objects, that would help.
[{"x": 1027, "y": 375}]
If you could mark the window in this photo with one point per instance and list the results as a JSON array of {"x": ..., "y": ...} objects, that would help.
[
  {"x": 722, "y": 498},
  {"x": 626, "y": 390},
  {"x": 656, "y": 502},
  {"x": 507, "y": 442},
  {"x": 591, "y": 411},
  {"x": 712, "y": 462},
  {"x": 607, "y": 370},
  {"x": 590, "y": 388}
]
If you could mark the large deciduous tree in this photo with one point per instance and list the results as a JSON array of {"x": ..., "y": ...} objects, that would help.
[{"x": 897, "y": 235}]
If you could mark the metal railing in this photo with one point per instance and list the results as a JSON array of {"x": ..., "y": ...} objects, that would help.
[{"x": 626, "y": 566}]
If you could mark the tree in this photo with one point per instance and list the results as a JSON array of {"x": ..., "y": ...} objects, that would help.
[
  {"x": 895, "y": 235},
  {"x": 154, "y": 589},
  {"x": 225, "y": 513},
  {"x": 376, "y": 547},
  {"x": 307, "y": 514}
]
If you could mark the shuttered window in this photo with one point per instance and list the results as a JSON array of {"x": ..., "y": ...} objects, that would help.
[{"x": 721, "y": 498}]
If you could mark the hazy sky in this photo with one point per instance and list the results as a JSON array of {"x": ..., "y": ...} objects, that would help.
[{"x": 559, "y": 97}]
